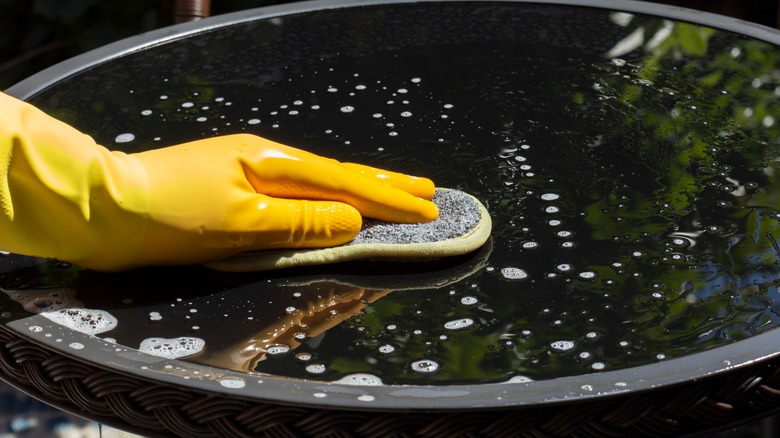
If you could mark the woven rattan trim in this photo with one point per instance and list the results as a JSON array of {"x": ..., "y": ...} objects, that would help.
[{"x": 150, "y": 408}]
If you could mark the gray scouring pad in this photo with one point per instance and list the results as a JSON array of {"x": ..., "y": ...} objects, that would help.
[{"x": 463, "y": 226}]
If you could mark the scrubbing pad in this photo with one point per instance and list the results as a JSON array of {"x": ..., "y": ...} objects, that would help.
[{"x": 463, "y": 225}]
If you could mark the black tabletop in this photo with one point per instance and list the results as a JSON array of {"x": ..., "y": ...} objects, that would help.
[{"x": 626, "y": 153}]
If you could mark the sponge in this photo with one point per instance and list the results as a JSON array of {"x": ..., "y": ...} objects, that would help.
[{"x": 463, "y": 226}]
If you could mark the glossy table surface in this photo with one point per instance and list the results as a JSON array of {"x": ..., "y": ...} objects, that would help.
[{"x": 626, "y": 152}]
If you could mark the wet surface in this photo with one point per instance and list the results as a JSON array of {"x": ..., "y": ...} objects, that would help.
[{"x": 628, "y": 163}]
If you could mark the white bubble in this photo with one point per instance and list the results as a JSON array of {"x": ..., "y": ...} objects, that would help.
[
  {"x": 146, "y": 112},
  {"x": 201, "y": 119},
  {"x": 386, "y": 349},
  {"x": 232, "y": 383},
  {"x": 425, "y": 366},
  {"x": 76, "y": 345},
  {"x": 530, "y": 245},
  {"x": 448, "y": 105},
  {"x": 277, "y": 349},
  {"x": 598, "y": 365},
  {"x": 316, "y": 368},
  {"x": 347, "y": 109},
  {"x": 564, "y": 267},
  {"x": 360, "y": 87},
  {"x": 562, "y": 345},
  {"x": 187, "y": 105},
  {"x": 172, "y": 348},
  {"x": 360, "y": 379},
  {"x": 124, "y": 138},
  {"x": 253, "y": 121},
  {"x": 332, "y": 89},
  {"x": 155, "y": 316},
  {"x": 519, "y": 379},
  {"x": 469, "y": 301},
  {"x": 35, "y": 328},
  {"x": 366, "y": 398},
  {"x": 406, "y": 114},
  {"x": 403, "y": 90},
  {"x": 87, "y": 321},
  {"x": 459, "y": 324},
  {"x": 551, "y": 209},
  {"x": 587, "y": 275},
  {"x": 514, "y": 273}
]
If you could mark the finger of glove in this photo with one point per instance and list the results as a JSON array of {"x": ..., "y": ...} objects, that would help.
[
  {"x": 293, "y": 223},
  {"x": 417, "y": 186},
  {"x": 302, "y": 175}
]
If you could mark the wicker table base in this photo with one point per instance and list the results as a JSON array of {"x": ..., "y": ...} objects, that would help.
[{"x": 155, "y": 409}]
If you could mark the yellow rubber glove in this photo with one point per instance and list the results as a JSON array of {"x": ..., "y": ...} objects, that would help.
[{"x": 63, "y": 196}]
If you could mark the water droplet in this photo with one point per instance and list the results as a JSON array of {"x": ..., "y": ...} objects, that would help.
[
  {"x": 347, "y": 109},
  {"x": 124, "y": 138},
  {"x": 366, "y": 398}
]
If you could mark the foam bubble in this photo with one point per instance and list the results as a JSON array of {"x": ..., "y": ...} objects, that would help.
[
  {"x": 316, "y": 368},
  {"x": 562, "y": 345},
  {"x": 519, "y": 379},
  {"x": 361, "y": 379},
  {"x": 87, "y": 321},
  {"x": 459, "y": 324},
  {"x": 468, "y": 301},
  {"x": 277, "y": 349},
  {"x": 347, "y": 109},
  {"x": 232, "y": 383},
  {"x": 172, "y": 348},
  {"x": 425, "y": 366},
  {"x": 514, "y": 273}
]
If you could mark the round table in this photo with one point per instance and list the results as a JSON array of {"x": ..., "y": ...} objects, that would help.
[{"x": 625, "y": 151}]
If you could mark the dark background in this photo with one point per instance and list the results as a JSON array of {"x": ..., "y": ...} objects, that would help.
[{"x": 35, "y": 34}]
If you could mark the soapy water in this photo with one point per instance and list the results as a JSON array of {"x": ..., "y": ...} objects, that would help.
[
  {"x": 87, "y": 321},
  {"x": 594, "y": 244},
  {"x": 172, "y": 348}
]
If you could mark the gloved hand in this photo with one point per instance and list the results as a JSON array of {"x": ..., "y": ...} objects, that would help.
[{"x": 65, "y": 197}]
